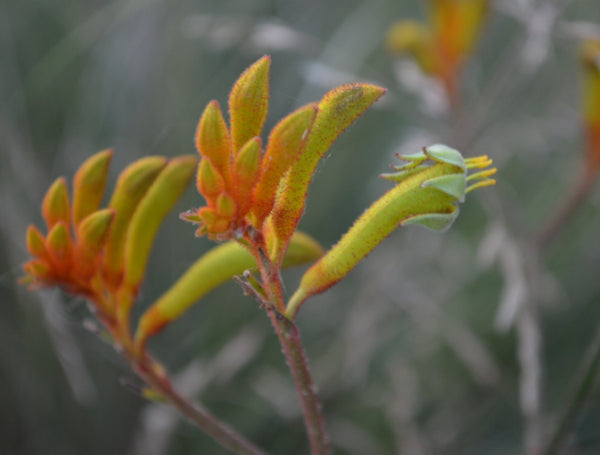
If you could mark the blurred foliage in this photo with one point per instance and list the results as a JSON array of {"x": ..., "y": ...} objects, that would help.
[{"x": 406, "y": 352}]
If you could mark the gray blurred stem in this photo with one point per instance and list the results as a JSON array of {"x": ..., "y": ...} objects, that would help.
[
  {"x": 584, "y": 381},
  {"x": 219, "y": 431}
]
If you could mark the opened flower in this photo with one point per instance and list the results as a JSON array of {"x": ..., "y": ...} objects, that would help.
[{"x": 427, "y": 192}]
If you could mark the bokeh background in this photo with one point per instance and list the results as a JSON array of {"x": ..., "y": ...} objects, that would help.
[{"x": 465, "y": 342}]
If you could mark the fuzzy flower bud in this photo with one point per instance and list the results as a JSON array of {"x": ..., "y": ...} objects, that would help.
[{"x": 428, "y": 190}]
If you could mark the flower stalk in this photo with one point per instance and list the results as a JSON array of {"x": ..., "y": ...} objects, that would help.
[
  {"x": 255, "y": 195},
  {"x": 590, "y": 160},
  {"x": 582, "y": 385}
]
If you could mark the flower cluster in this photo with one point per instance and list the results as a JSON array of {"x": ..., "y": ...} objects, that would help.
[
  {"x": 247, "y": 185},
  {"x": 236, "y": 176},
  {"x": 101, "y": 254},
  {"x": 255, "y": 197},
  {"x": 441, "y": 46},
  {"x": 69, "y": 255}
]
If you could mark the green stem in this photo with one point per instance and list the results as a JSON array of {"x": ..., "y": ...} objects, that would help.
[{"x": 583, "y": 383}]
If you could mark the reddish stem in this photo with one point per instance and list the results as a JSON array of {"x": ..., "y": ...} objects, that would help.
[
  {"x": 156, "y": 378},
  {"x": 293, "y": 350},
  {"x": 289, "y": 338}
]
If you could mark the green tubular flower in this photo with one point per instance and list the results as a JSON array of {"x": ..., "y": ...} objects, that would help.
[{"x": 428, "y": 189}]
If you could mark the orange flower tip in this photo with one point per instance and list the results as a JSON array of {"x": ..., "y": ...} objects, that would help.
[
  {"x": 208, "y": 215},
  {"x": 408, "y": 36},
  {"x": 201, "y": 231},
  {"x": 190, "y": 216},
  {"x": 221, "y": 226},
  {"x": 27, "y": 280},
  {"x": 35, "y": 242},
  {"x": 59, "y": 245},
  {"x": 247, "y": 162},
  {"x": 55, "y": 206},
  {"x": 212, "y": 138},
  {"x": 248, "y": 102},
  {"x": 94, "y": 229},
  {"x": 590, "y": 53},
  {"x": 94, "y": 168},
  {"x": 136, "y": 178},
  {"x": 226, "y": 206},
  {"x": 208, "y": 180},
  {"x": 35, "y": 269},
  {"x": 89, "y": 183}
]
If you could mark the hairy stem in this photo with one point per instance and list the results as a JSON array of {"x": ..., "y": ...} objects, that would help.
[
  {"x": 584, "y": 381},
  {"x": 293, "y": 350},
  {"x": 155, "y": 377},
  {"x": 289, "y": 337}
]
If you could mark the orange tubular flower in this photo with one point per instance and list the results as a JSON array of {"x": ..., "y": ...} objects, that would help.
[
  {"x": 590, "y": 58},
  {"x": 100, "y": 254},
  {"x": 441, "y": 46},
  {"x": 243, "y": 185},
  {"x": 69, "y": 257}
]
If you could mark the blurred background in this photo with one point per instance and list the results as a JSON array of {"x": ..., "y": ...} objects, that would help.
[{"x": 465, "y": 342}]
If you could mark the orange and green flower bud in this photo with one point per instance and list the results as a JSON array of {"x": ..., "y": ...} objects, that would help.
[
  {"x": 88, "y": 185},
  {"x": 473, "y": 13},
  {"x": 249, "y": 102},
  {"x": 59, "y": 246},
  {"x": 212, "y": 140},
  {"x": 131, "y": 186},
  {"x": 208, "y": 215},
  {"x": 225, "y": 206},
  {"x": 37, "y": 273},
  {"x": 456, "y": 25},
  {"x": 337, "y": 110},
  {"x": 220, "y": 226},
  {"x": 428, "y": 190},
  {"x": 208, "y": 181},
  {"x": 151, "y": 211},
  {"x": 93, "y": 232},
  {"x": 590, "y": 58},
  {"x": 36, "y": 242},
  {"x": 214, "y": 268},
  {"x": 286, "y": 143},
  {"x": 56, "y": 207},
  {"x": 245, "y": 172},
  {"x": 415, "y": 39}
]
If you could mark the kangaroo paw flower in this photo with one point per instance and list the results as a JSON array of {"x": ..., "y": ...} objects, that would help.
[
  {"x": 94, "y": 252},
  {"x": 261, "y": 192},
  {"x": 427, "y": 192}
]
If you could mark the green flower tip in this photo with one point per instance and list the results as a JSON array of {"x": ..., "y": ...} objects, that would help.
[
  {"x": 427, "y": 192},
  {"x": 453, "y": 176}
]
